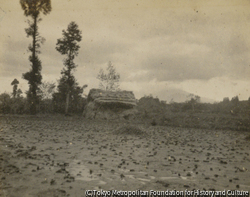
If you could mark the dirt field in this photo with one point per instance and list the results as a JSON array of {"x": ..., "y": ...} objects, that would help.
[{"x": 65, "y": 156}]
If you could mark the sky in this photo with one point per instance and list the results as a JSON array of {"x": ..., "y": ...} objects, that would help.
[{"x": 165, "y": 48}]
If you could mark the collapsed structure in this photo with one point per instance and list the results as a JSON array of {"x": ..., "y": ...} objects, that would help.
[{"x": 110, "y": 105}]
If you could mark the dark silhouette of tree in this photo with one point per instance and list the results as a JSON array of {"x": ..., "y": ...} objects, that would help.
[
  {"x": 226, "y": 100},
  {"x": 224, "y": 106},
  {"x": 19, "y": 93},
  {"x": 235, "y": 109},
  {"x": 235, "y": 100},
  {"x": 14, "y": 83},
  {"x": 68, "y": 45},
  {"x": 33, "y": 8},
  {"x": 5, "y": 103},
  {"x": 75, "y": 98},
  {"x": 109, "y": 81}
]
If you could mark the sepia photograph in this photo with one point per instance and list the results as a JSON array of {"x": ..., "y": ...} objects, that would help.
[{"x": 124, "y": 98}]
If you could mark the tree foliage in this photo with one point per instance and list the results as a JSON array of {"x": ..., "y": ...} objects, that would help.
[
  {"x": 46, "y": 90},
  {"x": 16, "y": 93},
  {"x": 19, "y": 93},
  {"x": 235, "y": 100},
  {"x": 14, "y": 83},
  {"x": 109, "y": 81},
  {"x": 5, "y": 103},
  {"x": 76, "y": 101},
  {"x": 33, "y": 8},
  {"x": 152, "y": 108},
  {"x": 194, "y": 100},
  {"x": 226, "y": 100},
  {"x": 68, "y": 45},
  {"x": 235, "y": 108}
]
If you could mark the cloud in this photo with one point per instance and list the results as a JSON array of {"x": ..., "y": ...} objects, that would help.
[{"x": 13, "y": 60}]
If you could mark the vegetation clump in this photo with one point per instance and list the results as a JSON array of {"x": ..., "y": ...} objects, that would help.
[{"x": 130, "y": 130}]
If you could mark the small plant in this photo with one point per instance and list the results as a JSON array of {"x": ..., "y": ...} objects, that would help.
[{"x": 109, "y": 81}]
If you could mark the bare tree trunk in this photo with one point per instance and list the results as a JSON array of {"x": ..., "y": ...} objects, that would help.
[
  {"x": 67, "y": 104},
  {"x": 33, "y": 105}
]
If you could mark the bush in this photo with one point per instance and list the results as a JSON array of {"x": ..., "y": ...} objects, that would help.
[
  {"x": 8, "y": 105},
  {"x": 76, "y": 104},
  {"x": 5, "y": 103},
  {"x": 152, "y": 109}
]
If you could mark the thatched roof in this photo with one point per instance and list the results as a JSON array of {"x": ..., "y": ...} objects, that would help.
[{"x": 101, "y": 96}]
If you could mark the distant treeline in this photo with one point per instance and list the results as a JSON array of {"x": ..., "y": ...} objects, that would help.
[
  {"x": 147, "y": 106},
  {"x": 227, "y": 114},
  {"x": 56, "y": 104}
]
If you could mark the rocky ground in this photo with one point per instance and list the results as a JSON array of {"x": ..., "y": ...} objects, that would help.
[{"x": 65, "y": 156}]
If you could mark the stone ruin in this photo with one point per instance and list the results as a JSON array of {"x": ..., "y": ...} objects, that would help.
[{"x": 110, "y": 105}]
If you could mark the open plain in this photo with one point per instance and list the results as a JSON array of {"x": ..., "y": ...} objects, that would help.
[{"x": 65, "y": 156}]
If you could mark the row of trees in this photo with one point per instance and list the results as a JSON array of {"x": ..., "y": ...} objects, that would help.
[
  {"x": 147, "y": 105},
  {"x": 227, "y": 106},
  {"x": 68, "y": 96},
  {"x": 68, "y": 90}
]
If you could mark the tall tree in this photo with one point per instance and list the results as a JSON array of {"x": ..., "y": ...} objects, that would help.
[
  {"x": 109, "y": 81},
  {"x": 14, "y": 83},
  {"x": 68, "y": 45},
  {"x": 33, "y": 8}
]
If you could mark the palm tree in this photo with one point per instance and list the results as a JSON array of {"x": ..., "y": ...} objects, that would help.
[{"x": 33, "y": 8}]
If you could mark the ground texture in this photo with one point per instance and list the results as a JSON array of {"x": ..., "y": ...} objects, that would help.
[{"x": 65, "y": 156}]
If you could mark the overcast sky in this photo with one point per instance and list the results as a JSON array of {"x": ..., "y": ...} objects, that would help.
[{"x": 158, "y": 46}]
